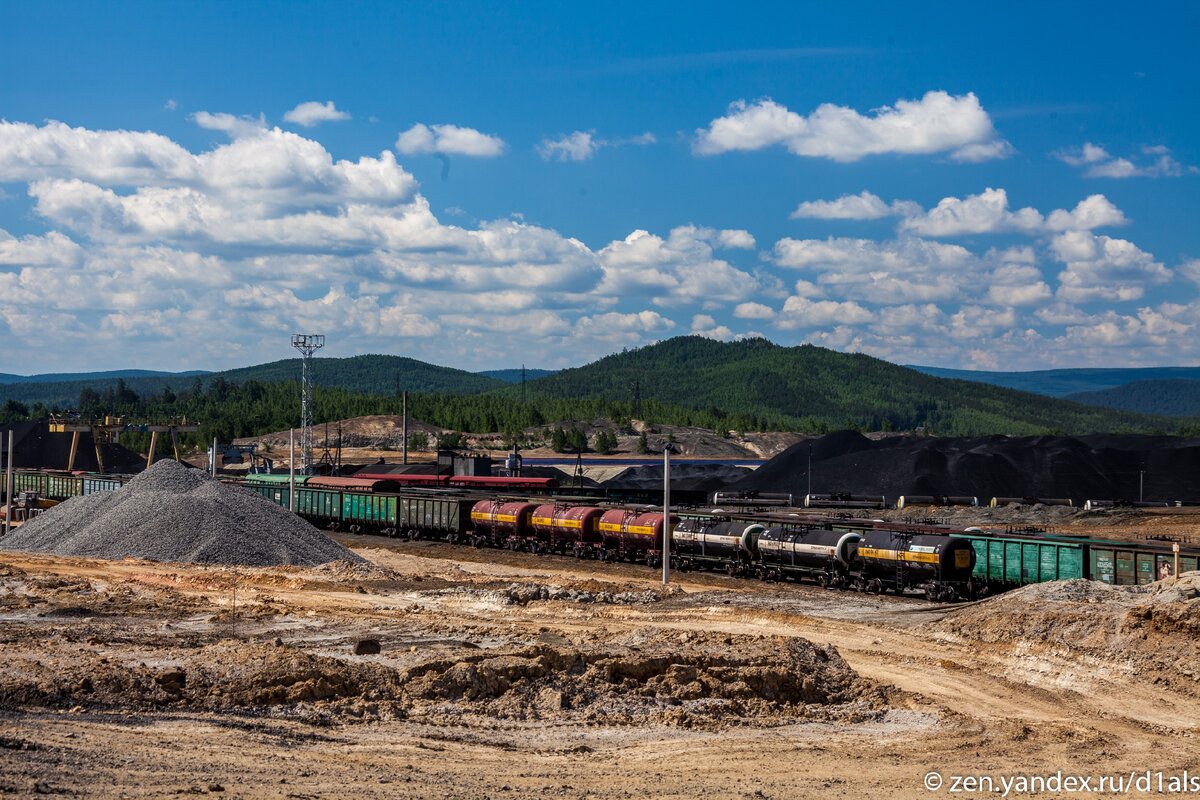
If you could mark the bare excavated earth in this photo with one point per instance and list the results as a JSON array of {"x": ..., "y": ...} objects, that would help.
[
  {"x": 380, "y": 436},
  {"x": 432, "y": 671}
]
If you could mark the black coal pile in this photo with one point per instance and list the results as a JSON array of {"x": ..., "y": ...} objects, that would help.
[
  {"x": 685, "y": 477},
  {"x": 35, "y": 447},
  {"x": 174, "y": 513},
  {"x": 1095, "y": 467}
]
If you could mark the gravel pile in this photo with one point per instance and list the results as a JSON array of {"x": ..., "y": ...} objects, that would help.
[{"x": 174, "y": 513}]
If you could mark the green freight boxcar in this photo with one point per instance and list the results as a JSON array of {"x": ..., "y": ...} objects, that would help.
[
  {"x": 374, "y": 511},
  {"x": 434, "y": 516},
  {"x": 323, "y": 505},
  {"x": 1006, "y": 562},
  {"x": 60, "y": 487},
  {"x": 90, "y": 484},
  {"x": 276, "y": 488},
  {"x": 31, "y": 482}
]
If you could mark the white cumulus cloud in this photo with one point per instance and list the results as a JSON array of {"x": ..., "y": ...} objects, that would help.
[
  {"x": 988, "y": 212},
  {"x": 313, "y": 112},
  {"x": 753, "y": 311},
  {"x": 899, "y": 271},
  {"x": 448, "y": 140},
  {"x": 1154, "y": 161},
  {"x": 680, "y": 268},
  {"x": 583, "y": 145},
  {"x": 1102, "y": 268},
  {"x": 864, "y": 205},
  {"x": 577, "y": 146},
  {"x": 936, "y": 123}
]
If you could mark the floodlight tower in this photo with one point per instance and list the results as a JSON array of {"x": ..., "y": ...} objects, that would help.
[{"x": 307, "y": 344}]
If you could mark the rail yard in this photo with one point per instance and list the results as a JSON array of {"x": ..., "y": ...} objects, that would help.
[{"x": 507, "y": 639}]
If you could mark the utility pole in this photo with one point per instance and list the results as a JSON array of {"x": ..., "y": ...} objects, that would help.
[
  {"x": 666, "y": 548},
  {"x": 8, "y": 487},
  {"x": 1141, "y": 482},
  {"x": 307, "y": 344},
  {"x": 404, "y": 422},
  {"x": 523, "y": 398},
  {"x": 292, "y": 470},
  {"x": 810, "y": 468}
]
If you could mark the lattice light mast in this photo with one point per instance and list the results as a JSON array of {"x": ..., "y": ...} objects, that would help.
[{"x": 307, "y": 344}]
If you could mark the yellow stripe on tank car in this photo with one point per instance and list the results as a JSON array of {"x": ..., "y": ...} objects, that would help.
[
  {"x": 897, "y": 555},
  {"x": 480, "y": 516},
  {"x": 613, "y": 527},
  {"x": 573, "y": 524}
]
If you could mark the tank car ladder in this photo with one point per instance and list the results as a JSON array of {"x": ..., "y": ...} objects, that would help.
[{"x": 900, "y": 539}]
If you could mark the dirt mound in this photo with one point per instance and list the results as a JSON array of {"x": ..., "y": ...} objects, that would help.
[
  {"x": 651, "y": 675},
  {"x": 229, "y": 675},
  {"x": 1152, "y": 630},
  {"x": 701, "y": 681},
  {"x": 1103, "y": 467},
  {"x": 524, "y": 593},
  {"x": 173, "y": 513}
]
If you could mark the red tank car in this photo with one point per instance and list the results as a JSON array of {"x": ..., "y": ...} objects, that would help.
[
  {"x": 569, "y": 528},
  {"x": 633, "y": 535},
  {"x": 498, "y": 522}
]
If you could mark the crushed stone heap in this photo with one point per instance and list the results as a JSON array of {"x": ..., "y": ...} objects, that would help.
[{"x": 175, "y": 513}]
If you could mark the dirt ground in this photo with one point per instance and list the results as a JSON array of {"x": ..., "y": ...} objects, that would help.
[{"x": 504, "y": 674}]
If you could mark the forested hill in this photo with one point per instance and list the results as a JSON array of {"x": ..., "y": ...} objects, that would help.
[
  {"x": 748, "y": 385},
  {"x": 372, "y": 374},
  {"x": 369, "y": 374},
  {"x": 514, "y": 375},
  {"x": 1177, "y": 398},
  {"x": 810, "y": 387}
]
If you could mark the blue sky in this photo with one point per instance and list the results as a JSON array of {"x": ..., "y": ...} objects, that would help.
[{"x": 183, "y": 185}]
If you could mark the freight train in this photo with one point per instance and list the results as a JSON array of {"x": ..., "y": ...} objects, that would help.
[{"x": 778, "y": 543}]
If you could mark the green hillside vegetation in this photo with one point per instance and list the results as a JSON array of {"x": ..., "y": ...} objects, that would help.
[
  {"x": 370, "y": 374},
  {"x": 1172, "y": 398},
  {"x": 745, "y": 386},
  {"x": 228, "y": 410},
  {"x": 514, "y": 375},
  {"x": 810, "y": 388}
]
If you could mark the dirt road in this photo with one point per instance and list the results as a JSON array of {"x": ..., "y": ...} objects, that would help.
[{"x": 509, "y": 675}]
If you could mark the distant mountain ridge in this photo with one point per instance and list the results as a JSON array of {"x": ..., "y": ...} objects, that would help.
[
  {"x": 1172, "y": 398},
  {"x": 366, "y": 374},
  {"x": 1064, "y": 382},
  {"x": 79, "y": 377}
]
